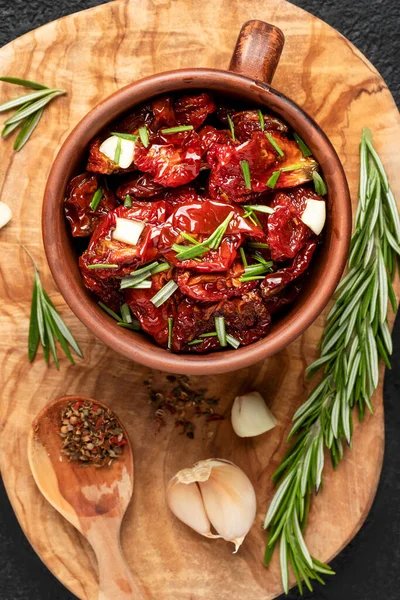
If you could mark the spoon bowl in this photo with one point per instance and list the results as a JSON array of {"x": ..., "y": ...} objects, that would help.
[{"x": 94, "y": 500}]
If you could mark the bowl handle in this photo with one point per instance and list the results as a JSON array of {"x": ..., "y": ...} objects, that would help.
[{"x": 258, "y": 50}]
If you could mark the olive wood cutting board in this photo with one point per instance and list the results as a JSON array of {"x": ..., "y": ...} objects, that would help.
[{"x": 92, "y": 54}]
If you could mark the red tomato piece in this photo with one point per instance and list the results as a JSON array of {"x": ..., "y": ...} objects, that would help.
[
  {"x": 200, "y": 220},
  {"x": 287, "y": 296},
  {"x": 103, "y": 249},
  {"x": 287, "y": 233},
  {"x": 193, "y": 110},
  {"x": 163, "y": 111},
  {"x": 226, "y": 179},
  {"x": 247, "y": 122},
  {"x": 212, "y": 287},
  {"x": 292, "y": 157},
  {"x": 106, "y": 290},
  {"x": 275, "y": 282},
  {"x": 139, "y": 186},
  {"x": 172, "y": 160},
  {"x": 80, "y": 192}
]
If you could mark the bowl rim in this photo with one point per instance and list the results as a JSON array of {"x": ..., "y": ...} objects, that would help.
[{"x": 127, "y": 342}]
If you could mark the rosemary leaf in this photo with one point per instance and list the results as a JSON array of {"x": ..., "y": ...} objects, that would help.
[
  {"x": 27, "y": 129},
  {"x": 24, "y": 82},
  {"x": 33, "y": 107}
]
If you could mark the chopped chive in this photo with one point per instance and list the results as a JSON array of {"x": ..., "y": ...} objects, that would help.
[
  {"x": 215, "y": 238},
  {"x": 144, "y": 136},
  {"x": 246, "y": 173},
  {"x": 188, "y": 237},
  {"x": 195, "y": 342},
  {"x": 135, "y": 325},
  {"x": 126, "y": 136},
  {"x": 118, "y": 149},
  {"x": 128, "y": 201},
  {"x": 258, "y": 245},
  {"x": 212, "y": 243},
  {"x": 141, "y": 285},
  {"x": 170, "y": 326},
  {"x": 243, "y": 256},
  {"x": 102, "y": 266},
  {"x": 206, "y": 335},
  {"x": 147, "y": 267},
  {"x": 293, "y": 167},
  {"x": 190, "y": 252},
  {"x": 259, "y": 257},
  {"x": 109, "y": 311},
  {"x": 232, "y": 341},
  {"x": 319, "y": 184},
  {"x": 250, "y": 215},
  {"x": 232, "y": 128},
  {"x": 305, "y": 150},
  {"x": 97, "y": 196},
  {"x": 221, "y": 330},
  {"x": 275, "y": 144},
  {"x": 165, "y": 293},
  {"x": 259, "y": 208},
  {"x": 126, "y": 313},
  {"x": 177, "y": 129},
  {"x": 132, "y": 282},
  {"x": 24, "y": 83},
  {"x": 259, "y": 266},
  {"x": 261, "y": 118},
  {"x": 164, "y": 266},
  {"x": 272, "y": 181},
  {"x": 246, "y": 278}
]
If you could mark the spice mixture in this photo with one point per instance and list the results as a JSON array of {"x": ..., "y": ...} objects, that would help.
[
  {"x": 90, "y": 434},
  {"x": 183, "y": 401}
]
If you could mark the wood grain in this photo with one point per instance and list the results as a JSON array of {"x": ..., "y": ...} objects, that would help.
[{"x": 92, "y": 54}]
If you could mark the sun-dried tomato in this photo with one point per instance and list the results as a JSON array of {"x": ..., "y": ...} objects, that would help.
[
  {"x": 247, "y": 122},
  {"x": 212, "y": 287},
  {"x": 140, "y": 185},
  {"x": 172, "y": 160},
  {"x": 80, "y": 192},
  {"x": 193, "y": 109}
]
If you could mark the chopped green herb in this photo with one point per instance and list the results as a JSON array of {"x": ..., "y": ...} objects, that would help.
[
  {"x": 170, "y": 326},
  {"x": 164, "y": 266},
  {"x": 126, "y": 136},
  {"x": 231, "y": 127},
  {"x": 109, "y": 311},
  {"x": 246, "y": 278},
  {"x": 261, "y": 118},
  {"x": 246, "y": 173},
  {"x": 189, "y": 238},
  {"x": 118, "y": 148},
  {"x": 128, "y": 201},
  {"x": 102, "y": 266},
  {"x": 210, "y": 334},
  {"x": 165, "y": 293},
  {"x": 259, "y": 208},
  {"x": 147, "y": 267},
  {"x": 215, "y": 238},
  {"x": 259, "y": 257},
  {"x": 302, "y": 145},
  {"x": 97, "y": 196},
  {"x": 142, "y": 285},
  {"x": 319, "y": 184},
  {"x": 272, "y": 181},
  {"x": 177, "y": 129},
  {"x": 221, "y": 330},
  {"x": 212, "y": 243},
  {"x": 232, "y": 341},
  {"x": 292, "y": 167},
  {"x": 195, "y": 342},
  {"x": 126, "y": 313},
  {"x": 275, "y": 144},
  {"x": 243, "y": 256},
  {"x": 258, "y": 245},
  {"x": 144, "y": 136}
]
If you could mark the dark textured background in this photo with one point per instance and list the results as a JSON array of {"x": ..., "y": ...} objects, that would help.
[{"x": 369, "y": 568}]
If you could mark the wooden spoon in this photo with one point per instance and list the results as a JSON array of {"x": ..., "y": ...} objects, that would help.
[{"x": 93, "y": 500}]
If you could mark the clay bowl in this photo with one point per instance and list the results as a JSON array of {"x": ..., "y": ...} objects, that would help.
[{"x": 252, "y": 67}]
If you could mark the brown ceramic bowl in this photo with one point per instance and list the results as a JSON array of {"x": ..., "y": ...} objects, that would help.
[{"x": 252, "y": 67}]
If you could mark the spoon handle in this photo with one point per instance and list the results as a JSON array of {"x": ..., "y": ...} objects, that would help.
[{"x": 116, "y": 581}]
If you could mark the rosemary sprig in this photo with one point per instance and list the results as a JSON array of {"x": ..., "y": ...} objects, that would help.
[
  {"x": 29, "y": 107},
  {"x": 46, "y": 326},
  {"x": 355, "y": 338}
]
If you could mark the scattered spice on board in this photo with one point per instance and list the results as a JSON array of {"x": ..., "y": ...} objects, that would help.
[
  {"x": 179, "y": 398},
  {"x": 91, "y": 434}
]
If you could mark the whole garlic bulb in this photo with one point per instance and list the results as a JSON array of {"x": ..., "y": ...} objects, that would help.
[
  {"x": 215, "y": 493},
  {"x": 251, "y": 416}
]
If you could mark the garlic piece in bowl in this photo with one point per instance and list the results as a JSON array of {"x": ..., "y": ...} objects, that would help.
[
  {"x": 215, "y": 493},
  {"x": 251, "y": 416}
]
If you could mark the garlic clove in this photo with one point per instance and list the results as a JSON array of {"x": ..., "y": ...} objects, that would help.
[
  {"x": 109, "y": 147},
  {"x": 5, "y": 214},
  {"x": 229, "y": 501},
  {"x": 185, "y": 501},
  {"x": 314, "y": 215},
  {"x": 251, "y": 416},
  {"x": 127, "y": 231}
]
